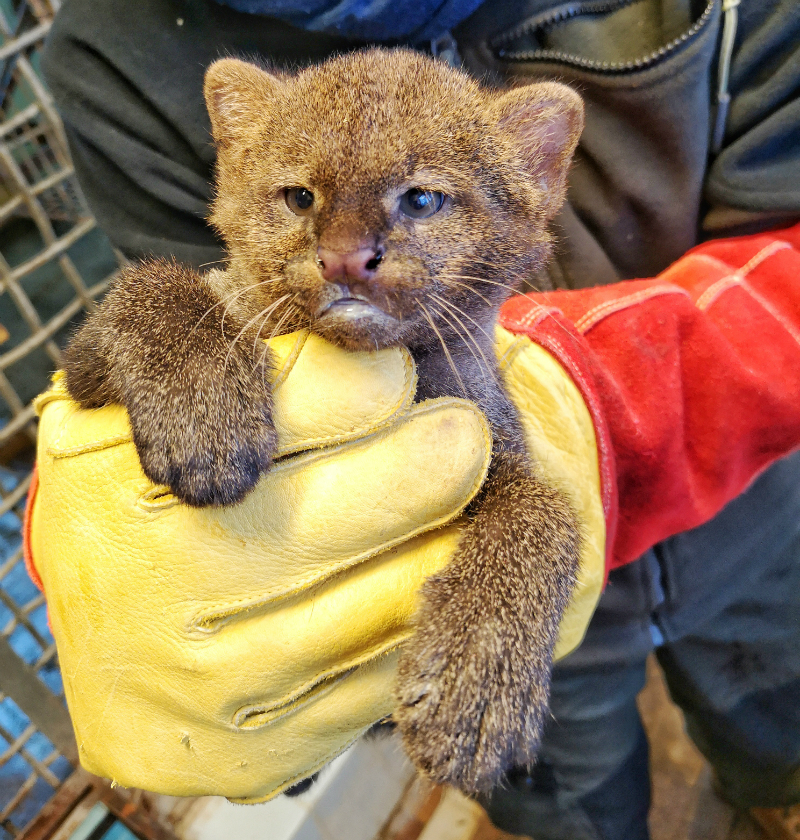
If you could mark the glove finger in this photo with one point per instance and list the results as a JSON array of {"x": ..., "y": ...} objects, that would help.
[
  {"x": 290, "y": 533},
  {"x": 311, "y": 642},
  {"x": 327, "y": 727},
  {"x": 323, "y": 395},
  {"x": 198, "y": 757},
  {"x": 353, "y": 394},
  {"x": 218, "y": 719}
]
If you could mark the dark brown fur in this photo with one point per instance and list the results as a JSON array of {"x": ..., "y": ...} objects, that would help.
[{"x": 182, "y": 352}]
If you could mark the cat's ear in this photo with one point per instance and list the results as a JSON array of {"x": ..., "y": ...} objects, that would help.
[
  {"x": 545, "y": 121},
  {"x": 236, "y": 94}
]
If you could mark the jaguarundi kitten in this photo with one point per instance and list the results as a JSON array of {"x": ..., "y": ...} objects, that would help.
[{"x": 379, "y": 199}]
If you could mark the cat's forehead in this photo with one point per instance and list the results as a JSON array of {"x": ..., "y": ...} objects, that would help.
[
  {"x": 384, "y": 79},
  {"x": 383, "y": 110}
]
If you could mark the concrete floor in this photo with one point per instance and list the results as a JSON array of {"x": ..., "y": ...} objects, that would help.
[{"x": 685, "y": 806}]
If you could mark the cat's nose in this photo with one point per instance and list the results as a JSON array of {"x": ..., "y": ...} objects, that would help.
[{"x": 355, "y": 265}]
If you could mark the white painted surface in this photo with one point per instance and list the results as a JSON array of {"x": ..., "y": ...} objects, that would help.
[
  {"x": 352, "y": 800},
  {"x": 455, "y": 818}
]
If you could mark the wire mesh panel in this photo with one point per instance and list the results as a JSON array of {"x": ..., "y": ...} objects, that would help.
[
  {"x": 54, "y": 263},
  {"x": 33, "y": 769},
  {"x": 23, "y": 615}
]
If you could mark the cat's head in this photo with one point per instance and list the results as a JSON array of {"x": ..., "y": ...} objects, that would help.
[{"x": 383, "y": 196}]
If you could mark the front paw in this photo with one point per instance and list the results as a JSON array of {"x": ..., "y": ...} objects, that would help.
[
  {"x": 471, "y": 699},
  {"x": 210, "y": 445}
]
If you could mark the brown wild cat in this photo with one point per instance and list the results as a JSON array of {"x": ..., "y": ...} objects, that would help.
[{"x": 379, "y": 199}]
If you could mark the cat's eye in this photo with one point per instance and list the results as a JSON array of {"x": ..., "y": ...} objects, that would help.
[
  {"x": 419, "y": 204},
  {"x": 299, "y": 200}
]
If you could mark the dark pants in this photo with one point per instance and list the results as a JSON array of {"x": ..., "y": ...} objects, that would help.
[{"x": 721, "y": 607}]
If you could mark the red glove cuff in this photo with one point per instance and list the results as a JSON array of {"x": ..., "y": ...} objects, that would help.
[
  {"x": 692, "y": 379},
  {"x": 26, "y": 531}
]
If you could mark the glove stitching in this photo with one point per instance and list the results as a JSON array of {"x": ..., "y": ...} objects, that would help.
[
  {"x": 737, "y": 278},
  {"x": 536, "y": 314},
  {"x": 763, "y": 254},
  {"x": 56, "y": 451},
  {"x": 403, "y": 402},
  {"x": 597, "y": 314},
  {"x": 315, "y": 687},
  {"x": 514, "y": 346},
  {"x": 775, "y": 313},
  {"x": 275, "y": 712},
  {"x": 716, "y": 289},
  {"x": 56, "y": 391},
  {"x": 289, "y": 362},
  {"x": 209, "y": 622}
]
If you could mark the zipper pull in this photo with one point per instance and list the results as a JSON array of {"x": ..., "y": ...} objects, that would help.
[{"x": 729, "y": 25}]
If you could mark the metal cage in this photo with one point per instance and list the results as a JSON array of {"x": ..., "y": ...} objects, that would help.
[{"x": 54, "y": 264}]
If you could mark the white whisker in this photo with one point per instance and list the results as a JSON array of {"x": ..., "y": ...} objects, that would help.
[
  {"x": 450, "y": 282},
  {"x": 282, "y": 320},
  {"x": 512, "y": 289},
  {"x": 238, "y": 295},
  {"x": 228, "y": 299},
  {"x": 268, "y": 310},
  {"x": 485, "y": 365},
  {"x": 444, "y": 347}
]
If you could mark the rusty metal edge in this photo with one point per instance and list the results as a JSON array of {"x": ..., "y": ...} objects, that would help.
[{"x": 118, "y": 801}]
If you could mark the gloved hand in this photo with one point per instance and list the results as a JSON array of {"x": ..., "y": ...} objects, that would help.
[{"x": 236, "y": 650}]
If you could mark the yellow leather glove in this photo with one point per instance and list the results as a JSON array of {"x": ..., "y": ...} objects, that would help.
[{"x": 236, "y": 650}]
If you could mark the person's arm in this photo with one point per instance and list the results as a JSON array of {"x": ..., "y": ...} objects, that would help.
[
  {"x": 692, "y": 379},
  {"x": 138, "y": 133},
  {"x": 650, "y": 403}
]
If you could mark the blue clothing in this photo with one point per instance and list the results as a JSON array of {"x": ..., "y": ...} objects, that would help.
[{"x": 366, "y": 20}]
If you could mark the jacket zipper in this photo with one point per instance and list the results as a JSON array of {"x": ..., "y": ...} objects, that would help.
[{"x": 572, "y": 10}]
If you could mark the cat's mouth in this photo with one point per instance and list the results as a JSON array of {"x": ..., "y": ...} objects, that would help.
[
  {"x": 357, "y": 324},
  {"x": 349, "y": 309}
]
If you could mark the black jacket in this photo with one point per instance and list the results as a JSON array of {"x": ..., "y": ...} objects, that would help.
[{"x": 646, "y": 184}]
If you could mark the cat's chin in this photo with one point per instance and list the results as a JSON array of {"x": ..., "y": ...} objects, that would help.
[{"x": 357, "y": 325}]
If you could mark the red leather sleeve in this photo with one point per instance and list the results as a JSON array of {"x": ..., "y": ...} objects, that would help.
[
  {"x": 692, "y": 379},
  {"x": 26, "y": 532}
]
